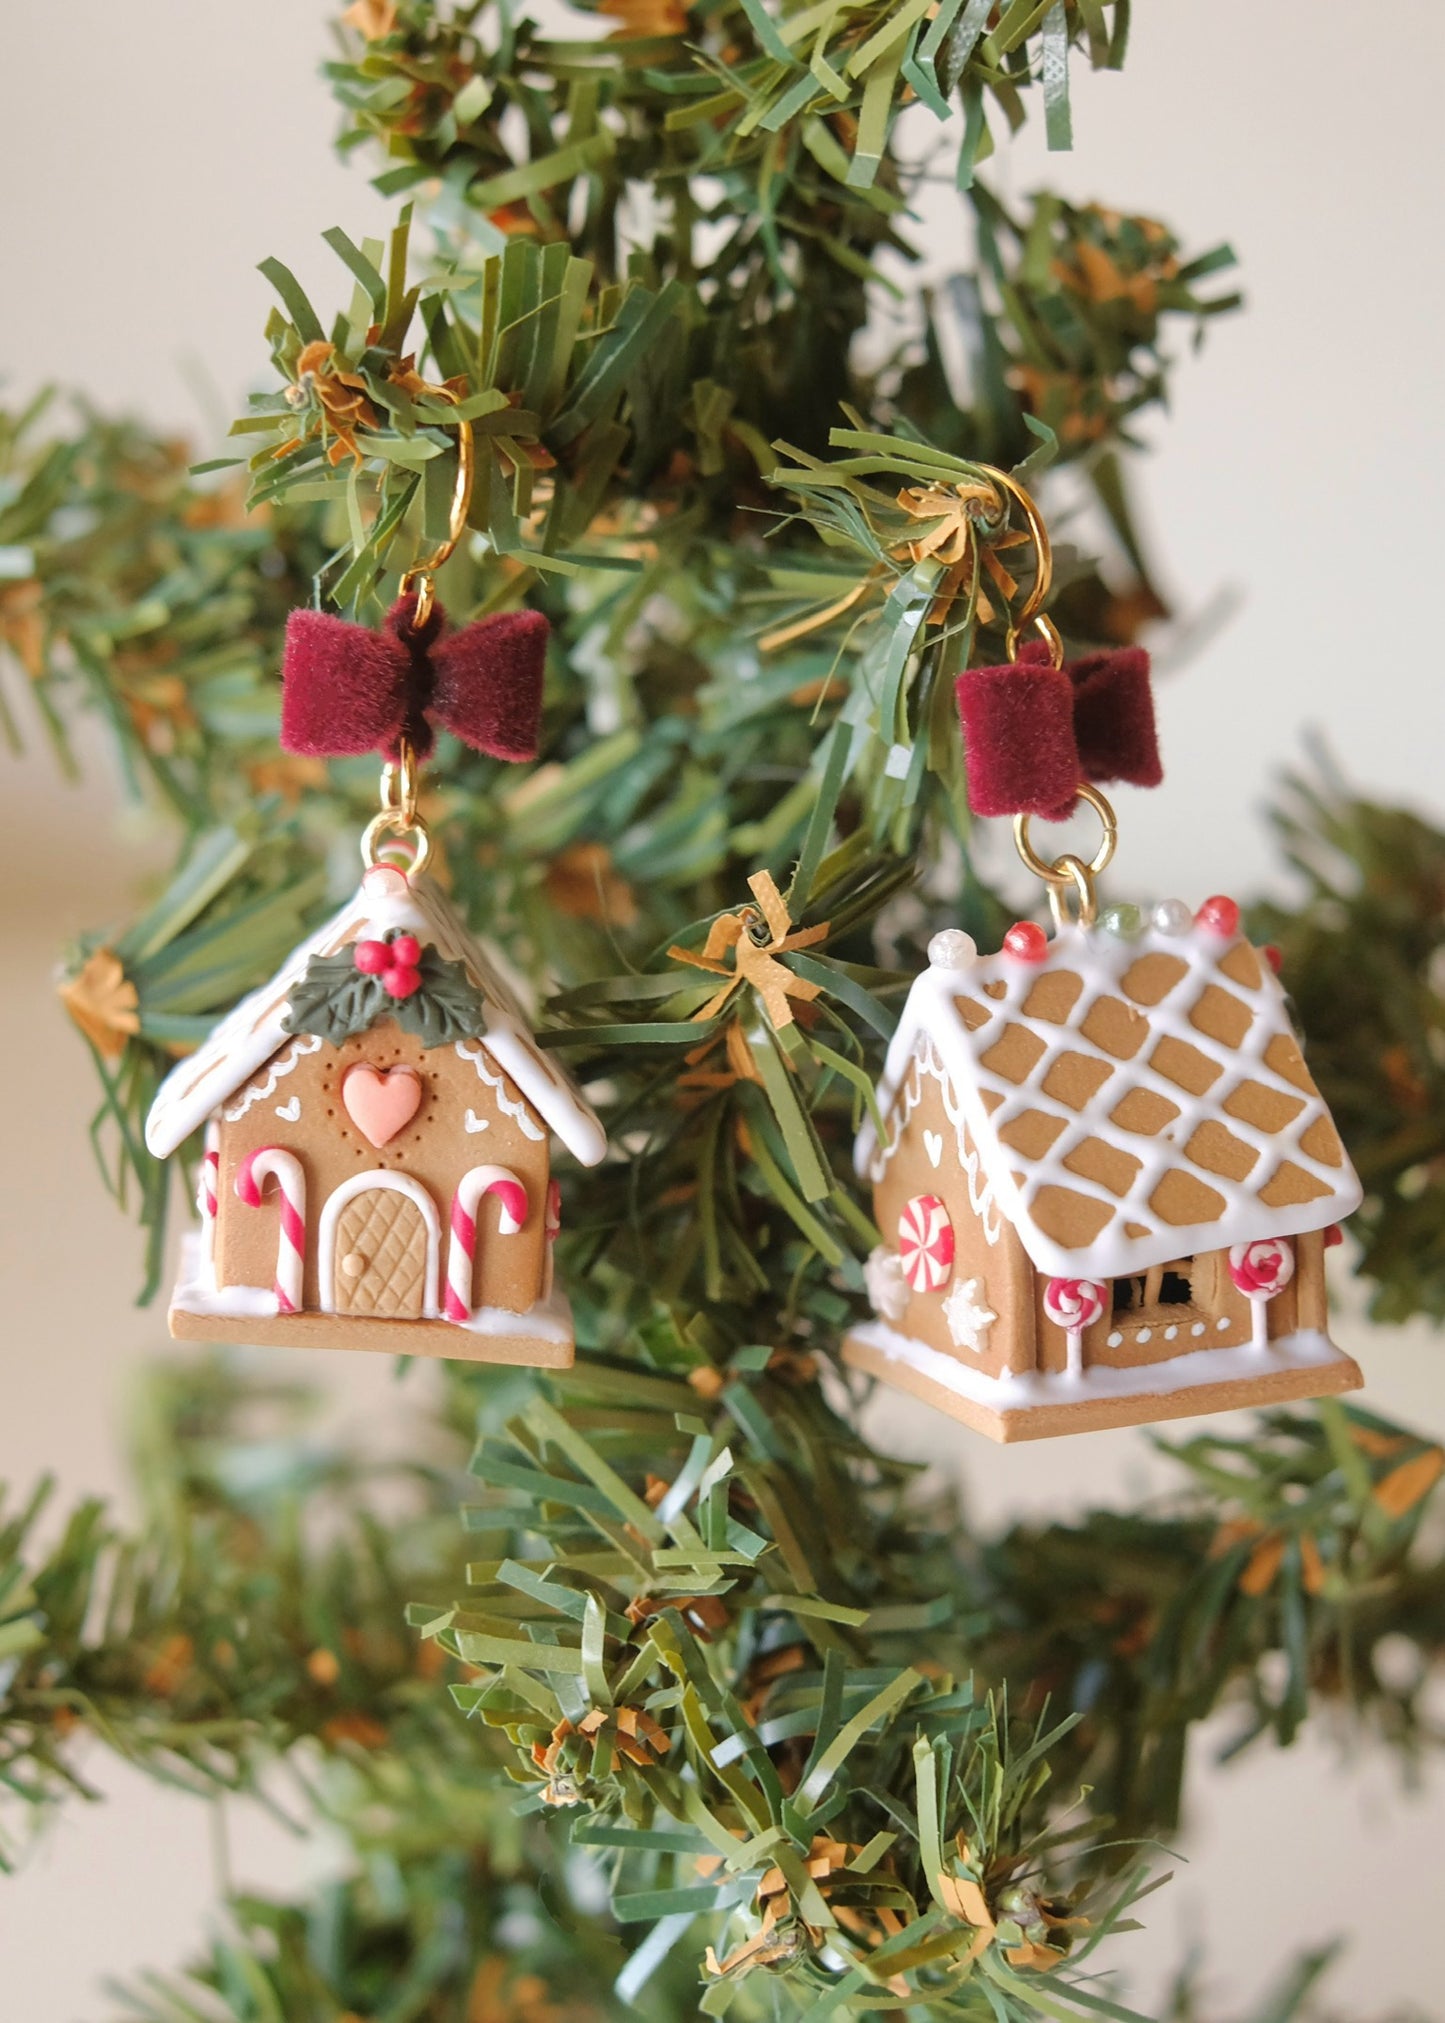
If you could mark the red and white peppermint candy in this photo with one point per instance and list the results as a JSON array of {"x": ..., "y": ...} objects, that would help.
[
  {"x": 925, "y": 1243},
  {"x": 1075, "y": 1303},
  {"x": 1262, "y": 1269}
]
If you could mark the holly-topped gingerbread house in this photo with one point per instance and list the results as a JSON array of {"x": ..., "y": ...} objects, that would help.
[
  {"x": 1106, "y": 1183},
  {"x": 376, "y": 1170}
]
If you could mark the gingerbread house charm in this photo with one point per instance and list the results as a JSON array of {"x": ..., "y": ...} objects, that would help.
[
  {"x": 376, "y": 1169},
  {"x": 1106, "y": 1184}
]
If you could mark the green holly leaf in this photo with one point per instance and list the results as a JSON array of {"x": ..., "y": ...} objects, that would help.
[
  {"x": 448, "y": 1006},
  {"x": 336, "y": 1000}
]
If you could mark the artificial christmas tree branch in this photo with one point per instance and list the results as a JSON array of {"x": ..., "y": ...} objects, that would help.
[{"x": 232, "y": 1644}]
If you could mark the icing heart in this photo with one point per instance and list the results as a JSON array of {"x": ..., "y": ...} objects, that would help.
[
  {"x": 378, "y": 1104},
  {"x": 933, "y": 1145}
]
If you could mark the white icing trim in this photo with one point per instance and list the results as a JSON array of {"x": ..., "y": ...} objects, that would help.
[
  {"x": 926, "y": 1060},
  {"x": 282, "y": 1065},
  {"x": 247, "y": 1037},
  {"x": 360, "y": 1183},
  {"x": 520, "y": 1113},
  {"x": 1024, "y": 1390},
  {"x": 931, "y": 1021}
]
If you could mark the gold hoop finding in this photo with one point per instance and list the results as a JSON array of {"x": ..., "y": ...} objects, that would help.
[
  {"x": 1071, "y": 873},
  {"x": 421, "y": 575},
  {"x": 391, "y": 821}
]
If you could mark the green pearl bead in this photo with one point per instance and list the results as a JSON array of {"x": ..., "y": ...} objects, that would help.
[{"x": 1127, "y": 922}]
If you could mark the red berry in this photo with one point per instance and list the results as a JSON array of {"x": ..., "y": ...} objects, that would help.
[
  {"x": 1219, "y": 915},
  {"x": 1026, "y": 942},
  {"x": 1333, "y": 1235},
  {"x": 372, "y": 957},
  {"x": 406, "y": 950},
  {"x": 1273, "y": 957},
  {"x": 401, "y": 980}
]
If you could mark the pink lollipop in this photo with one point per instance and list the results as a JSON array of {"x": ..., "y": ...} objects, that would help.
[
  {"x": 1260, "y": 1270},
  {"x": 1074, "y": 1304}
]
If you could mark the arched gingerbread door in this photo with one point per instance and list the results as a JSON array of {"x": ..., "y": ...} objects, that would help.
[{"x": 379, "y": 1249}]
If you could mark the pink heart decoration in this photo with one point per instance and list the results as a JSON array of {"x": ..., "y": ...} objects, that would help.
[{"x": 380, "y": 1104}]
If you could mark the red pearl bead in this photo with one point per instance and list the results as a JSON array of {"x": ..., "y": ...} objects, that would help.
[
  {"x": 406, "y": 950},
  {"x": 1273, "y": 957},
  {"x": 401, "y": 981},
  {"x": 372, "y": 957},
  {"x": 1026, "y": 942},
  {"x": 1219, "y": 915}
]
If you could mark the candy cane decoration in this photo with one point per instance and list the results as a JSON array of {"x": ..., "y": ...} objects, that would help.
[
  {"x": 206, "y": 1186},
  {"x": 270, "y": 1162},
  {"x": 1074, "y": 1304},
  {"x": 551, "y": 1223},
  {"x": 925, "y": 1243},
  {"x": 461, "y": 1255},
  {"x": 1259, "y": 1271}
]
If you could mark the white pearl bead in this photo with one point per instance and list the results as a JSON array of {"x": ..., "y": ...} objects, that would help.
[
  {"x": 952, "y": 949},
  {"x": 1171, "y": 916}
]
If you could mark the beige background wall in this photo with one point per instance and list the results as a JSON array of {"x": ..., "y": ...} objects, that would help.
[{"x": 152, "y": 154}]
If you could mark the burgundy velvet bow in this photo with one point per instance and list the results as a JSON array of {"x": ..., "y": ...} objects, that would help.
[
  {"x": 1033, "y": 733},
  {"x": 346, "y": 689}
]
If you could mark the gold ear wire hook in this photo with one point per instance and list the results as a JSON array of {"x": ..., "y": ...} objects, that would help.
[
  {"x": 421, "y": 575},
  {"x": 1032, "y": 611}
]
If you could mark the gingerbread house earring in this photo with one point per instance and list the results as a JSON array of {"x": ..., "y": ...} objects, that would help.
[
  {"x": 378, "y": 1120},
  {"x": 378, "y": 1128},
  {"x": 1106, "y": 1181}
]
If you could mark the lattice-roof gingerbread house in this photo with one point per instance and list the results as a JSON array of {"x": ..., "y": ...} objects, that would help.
[
  {"x": 408, "y": 1139},
  {"x": 1106, "y": 1184}
]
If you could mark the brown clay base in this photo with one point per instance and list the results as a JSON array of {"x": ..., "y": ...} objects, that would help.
[
  {"x": 388, "y": 1338},
  {"x": 1091, "y": 1415}
]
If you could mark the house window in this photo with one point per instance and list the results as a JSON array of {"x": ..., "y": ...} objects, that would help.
[{"x": 1154, "y": 1294}]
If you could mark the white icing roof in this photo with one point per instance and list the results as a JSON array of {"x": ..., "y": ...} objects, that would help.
[
  {"x": 1223, "y": 1128},
  {"x": 386, "y": 901}
]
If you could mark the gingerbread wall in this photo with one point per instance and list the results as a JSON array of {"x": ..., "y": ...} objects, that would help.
[
  {"x": 1002, "y": 1267},
  {"x": 295, "y": 1102}
]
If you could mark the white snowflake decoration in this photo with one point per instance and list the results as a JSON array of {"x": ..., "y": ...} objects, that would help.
[
  {"x": 887, "y": 1287},
  {"x": 969, "y": 1320}
]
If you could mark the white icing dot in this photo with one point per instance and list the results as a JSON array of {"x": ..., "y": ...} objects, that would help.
[
  {"x": 1115, "y": 1339},
  {"x": 1222, "y": 1322},
  {"x": 952, "y": 949},
  {"x": 1197, "y": 1329},
  {"x": 1144, "y": 1335},
  {"x": 1172, "y": 916},
  {"x": 1170, "y": 1333}
]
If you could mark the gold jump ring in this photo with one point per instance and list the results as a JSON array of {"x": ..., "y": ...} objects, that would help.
[{"x": 1062, "y": 873}]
